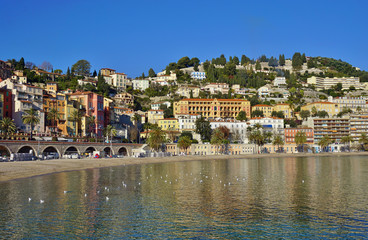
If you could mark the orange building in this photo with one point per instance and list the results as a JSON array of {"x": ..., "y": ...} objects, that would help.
[{"x": 290, "y": 134}]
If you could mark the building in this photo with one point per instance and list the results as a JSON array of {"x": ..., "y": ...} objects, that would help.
[
  {"x": 285, "y": 108},
  {"x": 140, "y": 84},
  {"x": 356, "y": 104},
  {"x": 168, "y": 124},
  {"x": 198, "y": 75},
  {"x": 264, "y": 91},
  {"x": 157, "y": 106},
  {"x": 266, "y": 109},
  {"x": 187, "y": 122},
  {"x": 6, "y": 103},
  {"x": 57, "y": 102},
  {"x": 93, "y": 105},
  {"x": 358, "y": 126},
  {"x": 231, "y": 149},
  {"x": 124, "y": 99},
  {"x": 188, "y": 91},
  {"x": 119, "y": 80},
  {"x": 331, "y": 108},
  {"x": 25, "y": 97},
  {"x": 155, "y": 115},
  {"x": 214, "y": 88},
  {"x": 290, "y": 134},
  {"x": 212, "y": 108},
  {"x": 107, "y": 71},
  {"x": 335, "y": 128},
  {"x": 327, "y": 83},
  {"x": 164, "y": 77},
  {"x": 238, "y": 129},
  {"x": 272, "y": 124},
  {"x": 52, "y": 87},
  {"x": 87, "y": 81},
  {"x": 279, "y": 81}
]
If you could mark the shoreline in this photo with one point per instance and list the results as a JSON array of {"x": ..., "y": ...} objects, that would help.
[{"x": 18, "y": 170}]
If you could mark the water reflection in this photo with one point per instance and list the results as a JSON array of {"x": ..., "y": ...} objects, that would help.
[{"x": 291, "y": 198}]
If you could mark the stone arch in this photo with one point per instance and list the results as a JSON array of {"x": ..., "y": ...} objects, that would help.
[
  {"x": 26, "y": 149},
  {"x": 71, "y": 149},
  {"x": 50, "y": 149},
  {"x": 108, "y": 151},
  {"x": 90, "y": 150},
  {"x": 4, "y": 151},
  {"x": 123, "y": 151}
]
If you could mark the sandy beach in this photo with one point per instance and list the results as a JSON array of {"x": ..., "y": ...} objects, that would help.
[{"x": 17, "y": 170}]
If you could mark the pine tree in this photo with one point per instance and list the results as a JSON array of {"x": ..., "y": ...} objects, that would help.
[{"x": 282, "y": 60}]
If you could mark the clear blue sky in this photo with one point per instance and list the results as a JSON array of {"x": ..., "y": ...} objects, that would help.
[{"x": 133, "y": 36}]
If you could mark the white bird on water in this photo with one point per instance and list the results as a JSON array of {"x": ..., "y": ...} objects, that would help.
[
  {"x": 85, "y": 195},
  {"x": 42, "y": 201},
  {"x": 302, "y": 181},
  {"x": 107, "y": 198},
  {"x": 29, "y": 199},
  {"x": 65, "y": 192}
]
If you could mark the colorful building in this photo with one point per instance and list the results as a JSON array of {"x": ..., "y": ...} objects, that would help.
[
  {"x": 331, "y": 108},
  {"x": 6, "y": 103},
  {"x": 155, "y": 115},
  {"x": 285, "y": 108},
  {"x": 212, "y": 108},
  {"x": 266, "y": 109},
  {"x": 290, "y": 134},
  {"x": 166, "y": 124}
]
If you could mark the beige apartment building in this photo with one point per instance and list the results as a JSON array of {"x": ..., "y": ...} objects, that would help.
[
  {"x": 212, "y": 108},
  {"x": 326, "y": 83}
]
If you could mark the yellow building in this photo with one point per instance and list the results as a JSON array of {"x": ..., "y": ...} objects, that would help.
[
  {"x": 71, "y": 106},
  {"x": 212, "y": 108},
  {"x": 285, "y": 108},
  {"x": 55, "y": 101},
  {"x": 52, "y": 87},
  {"x": 331, "y": 108},
  {"x": 266, "y": 109},
  {"x": 155, "y": 115},
  {"x": 171, "y": 124}
]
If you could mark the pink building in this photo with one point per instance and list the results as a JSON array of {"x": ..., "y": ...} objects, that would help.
[{"x": 93, "y": 106}]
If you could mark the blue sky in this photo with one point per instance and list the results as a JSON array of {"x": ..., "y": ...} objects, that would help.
[{"x": 133, "y": 36}]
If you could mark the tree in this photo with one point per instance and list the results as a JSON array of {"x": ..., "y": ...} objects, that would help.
[
  {"x": 236, "y": 60},
  {"x": 267, "y": 135},
  {"x": 183, "y": 62},
  {"x": 242, "y": 116},
  {"x": 258, "y": 66},
  {"x": 244, "y": 60},
  {"x": 110, "y": 131},
  {"x": 68, "y": 74},
  {"x": 282, "y": 60},
  {"x": 31, "y": 118},
  {"x": 363, "y": 140},
  {"x": 278, "y": 141},
  {"x": 257, "y": 138},
  {"x": 324, "y": 142},
  {"x": 156, "y": 138},
  {"x": 347, "y": 140},
  {"x": 184, "y": 142},
  {"x": 81, "y": 68},
  {"x": 102, "y": 86},
  {"x": 230, "y": 69},
  {"x": 20, "y": 65},
  {"x": 278, "y": 114},
  {"x": 54, "y": 116},
  {"x": 297, "y": 61},
  {"x": 304, "y": 114},
  {"x": 300, "y": 139},
  {"x": 257, "y": 113},
  {"x": 151, "y": 73},
  {"x": 203, "y": 127},
  {"x": 91, "y": 124},
  {"x": 314, "y": 111},
  {"x": 30, "y": 65},
  {"x": 322, "y": 114},
  {"x": 76, "y": 117},
  {"x": 46, "y": 66},
  {"x": 133, "y": 133},
  {"x": 59, "y": 71},
  {"x": 217, "y": 138},
  {"x": 7, "y": 126}
]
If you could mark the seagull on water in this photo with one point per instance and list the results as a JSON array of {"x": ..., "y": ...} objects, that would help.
[
  {"x": 42, "y": 201},
  {"x": 29, "y": 199}
]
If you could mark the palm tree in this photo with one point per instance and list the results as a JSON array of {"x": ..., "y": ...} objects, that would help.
[
  {"x": 267, "y": 136},
  {"x": 347, "y": 140},
  {"x": 156, "y": 138},
  {"x": 277, "y": 140},
  {"x": 257, "y": 138},
  {"x": 363, "y": 140},
  {"x": 184, "y": 142},
  {"x": 110, "y": 131},
  {"x": 31, "y": 118},
  {"x": 324, "y": 142},
  {"x": 76, "y": 117},
  {"x": 54, "y": 116},
  {"x": 300, "y": 139},
  {"x": 90, "y": 123},
  {"x": 7, "y": 125}
]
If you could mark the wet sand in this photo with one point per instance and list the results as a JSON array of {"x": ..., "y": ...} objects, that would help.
[{"x": 16, "y": 170}]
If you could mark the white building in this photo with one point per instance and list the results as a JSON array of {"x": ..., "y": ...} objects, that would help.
[
  {"x": 187, "y": 121},
  {"x": 263, "y": 91},
  {"x": 327, "y": 83},
  {"x": 187, "y": 91},
  {"x": 156, "y": 106},
  {"x": 217, "y": 87},
  {"x": 273, "y": 124},
  {"x": 198, "y": 75},
  {"x": 279, "y": 81},
  {"x": 140, "y": 84},
  {"x": 238, "y": 129},
  {"x": 119, "y": 80},
  {"x": 352, "y": 103}
]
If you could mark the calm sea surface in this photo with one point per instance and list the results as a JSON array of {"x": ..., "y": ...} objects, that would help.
[{"x": 313, "y": 197}]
